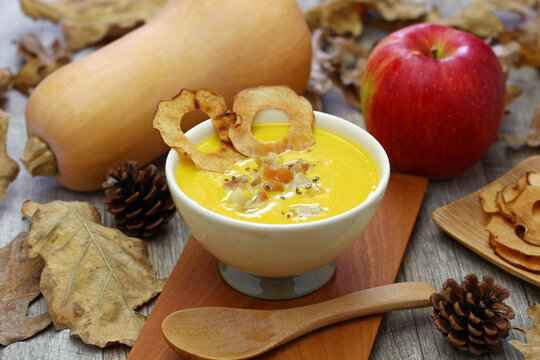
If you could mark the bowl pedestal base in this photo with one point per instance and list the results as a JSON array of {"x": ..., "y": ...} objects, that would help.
[{"x": 277, "y": 288}]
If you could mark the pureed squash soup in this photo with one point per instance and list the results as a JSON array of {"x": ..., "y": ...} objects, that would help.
[{"x": 330, "y": 177}]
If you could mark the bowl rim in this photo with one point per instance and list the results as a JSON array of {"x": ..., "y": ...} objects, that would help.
[{"x": 173, "y": 160}]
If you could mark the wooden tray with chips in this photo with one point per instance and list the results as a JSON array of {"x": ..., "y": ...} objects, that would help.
[{"x": 464, "y": 220}]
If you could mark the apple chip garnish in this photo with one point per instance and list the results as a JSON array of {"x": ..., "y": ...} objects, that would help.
[
  {"x": 168, "y": 119},
  {"x": 249, "y": 102}
]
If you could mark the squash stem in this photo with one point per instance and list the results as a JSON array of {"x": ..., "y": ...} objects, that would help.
[{"x": 38, "y": 158}]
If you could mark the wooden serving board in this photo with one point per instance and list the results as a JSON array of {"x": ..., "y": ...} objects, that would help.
[
  {"x": 373, "y": 260},
  {"x": 464, "y": 220}
]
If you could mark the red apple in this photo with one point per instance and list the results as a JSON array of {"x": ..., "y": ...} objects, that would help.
[{"x": 434, "y": 98}]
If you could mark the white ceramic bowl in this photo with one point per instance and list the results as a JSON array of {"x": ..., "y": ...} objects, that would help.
[{"x": 278, "y": 251}]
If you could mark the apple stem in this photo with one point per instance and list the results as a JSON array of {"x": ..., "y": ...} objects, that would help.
[{"x": 434, "y": 52}]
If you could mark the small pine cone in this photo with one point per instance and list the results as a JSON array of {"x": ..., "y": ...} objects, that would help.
[
  {"x": 473, "y": 316},
  {"x": 139, "y": 199}
]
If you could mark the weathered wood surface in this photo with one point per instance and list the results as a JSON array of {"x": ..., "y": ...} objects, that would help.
[{"x": 431, "y": 255}]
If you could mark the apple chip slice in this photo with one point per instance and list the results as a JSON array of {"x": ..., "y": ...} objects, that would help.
[
  {"x": 522, "y": 209},
  {"x": 168, "y": 120},
  {"x": 529, "y": 263},
  {"x": 503, "y": 233},
  {"x": 488, "y": 198},
  {"x": 246, "y": 105},
  {"x": 507, "y": 194}
]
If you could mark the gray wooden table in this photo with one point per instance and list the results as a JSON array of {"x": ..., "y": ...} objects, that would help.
[{"x": 431, "y": 255}]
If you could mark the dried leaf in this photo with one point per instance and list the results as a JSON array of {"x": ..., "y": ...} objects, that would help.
[
  {"x": 512, "y": 93},
  {"x": 532, "y": 139},
  {"x": 94, "y": 277},
  {"x": 477, "y": 18},
  {"x": 507, "y": 54},
  {"x": 8, "y": 167},
  {"x": 5, "y": 80},
  {"x": 87, "y": 22},
  {"x": 483, "y": 18},
  {"x": 341, "y": 17},
  {"x": 339, "y": 61},
  {"x": 393, "y": 10},
  {"x": 19, "y": 285},
  {"x": 530, "y": 349},
  {"x": 40, "y": 61},
  {"x": 345, "y": 17},
  {"x": 527, "y": 34}
]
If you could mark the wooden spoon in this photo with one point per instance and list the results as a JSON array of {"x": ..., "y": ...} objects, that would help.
[{"x": 229, "y": 333}]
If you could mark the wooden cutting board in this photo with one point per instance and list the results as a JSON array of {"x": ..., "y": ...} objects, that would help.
[{"x": 373, "y": 260}]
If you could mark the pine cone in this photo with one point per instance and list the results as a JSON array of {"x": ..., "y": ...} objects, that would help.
[
  {"x": 472, "y": 316},
  {"x": 139, "y": 200}
]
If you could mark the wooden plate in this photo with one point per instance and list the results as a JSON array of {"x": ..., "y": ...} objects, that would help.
[
  {"x": 464, "y": 220},
  {"x": 373, "y": 260}
]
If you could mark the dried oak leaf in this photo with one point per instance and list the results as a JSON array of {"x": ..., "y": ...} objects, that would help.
[
  {"x": 336, "y": 60},
  {"x": 394, "y": 10},
  {"x": 87, "y": 22},
  {"x": 8, "y": 167},
  {"x": 483, "y": 18},
  {"x": 94, "y": 277},
  {"x": 530, "y": 349},
  {"x": 532, "y": 139},
  {"x": 341, "y": 17},
  {"x": 345, "y": 17},
  {"x": 40, "y": 62},
  {"x": 512, "y": 93},
  {"x": 507, "y": 54},
  {"x": 527, "y": 34},
  {"x": 5, "y": 80},
  {"x": 19, "y": 285}
]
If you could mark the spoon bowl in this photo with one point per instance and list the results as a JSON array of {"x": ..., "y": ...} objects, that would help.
[{"x": 231, "y": 333}]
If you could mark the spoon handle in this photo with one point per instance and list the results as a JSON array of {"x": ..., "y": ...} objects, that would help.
[{"x": 398, "y": 296}]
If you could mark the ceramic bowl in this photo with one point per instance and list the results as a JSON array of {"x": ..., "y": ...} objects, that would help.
[{"x": 280, "y": 261}]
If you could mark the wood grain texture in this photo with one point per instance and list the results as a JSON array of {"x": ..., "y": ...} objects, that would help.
[
  {"x": 372, "y": 261},
  {"x": 226, "y": 332},
  {"x": 431, "y": 256}
]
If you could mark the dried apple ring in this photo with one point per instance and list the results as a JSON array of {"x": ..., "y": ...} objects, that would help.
[
  {"x": 246, "y": 105},
  {"x": 488, "y": 197},
  {"x": 168, "y": 120},
  {"x": 522, "y": 208}
]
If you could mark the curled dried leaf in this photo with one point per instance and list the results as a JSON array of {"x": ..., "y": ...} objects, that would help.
[
  {"x": 19, "y": 285},
  {"x": 8, "y": 167},
  {"x": 247, "y": 104},
  {"x": 530, "y": 349},
  {"x": 94, "y": 277},
  {"x": 40, "y": 62},
  {"x": 527, "y": 34},
  {"x": 338, "y": 61},
  {"x": 532, "y": 139},
  {"x": 480, "y": 18},
  {"x": 394, "y": 10},
  {"x": 341, "y": 17},
  {"x": 512, "y": 93},
  {"x": 168, "y": 120},
  {"x": 6, "y": 76},
  {"x": 507, "y": 54},
  {"x": 87, "y": 22}
]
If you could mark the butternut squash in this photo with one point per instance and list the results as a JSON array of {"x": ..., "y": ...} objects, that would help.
[{"x": 97, "y": 112}]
